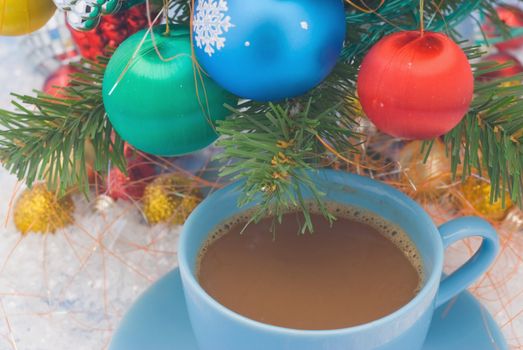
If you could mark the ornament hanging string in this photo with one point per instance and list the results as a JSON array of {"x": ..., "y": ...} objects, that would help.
[
  {"x": 166, "y": 15},
  {"x": 421, "y": 16},
  {"x": 12, "y": 199},
  {"x": 347, "y": 160},
  {"x": 368, "y": 9},
  {"x": 133, "y": 57},
  {"x": 151, "y": 24},
  {"x": 198, "y": 77},
  {"x": 165, "y": 11},
  {"x": 438, "y": 12}
]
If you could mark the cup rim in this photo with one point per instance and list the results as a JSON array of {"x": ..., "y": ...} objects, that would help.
[{"x": 350, "y": 179}]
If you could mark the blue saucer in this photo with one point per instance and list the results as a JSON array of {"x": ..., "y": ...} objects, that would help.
[{"x": 159, "y": 321}]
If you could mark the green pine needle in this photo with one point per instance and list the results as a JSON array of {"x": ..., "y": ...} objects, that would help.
[{"x": 45, "y": 137}]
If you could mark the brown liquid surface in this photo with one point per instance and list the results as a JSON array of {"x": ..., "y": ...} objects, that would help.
[{"x": 339, "y": 276}]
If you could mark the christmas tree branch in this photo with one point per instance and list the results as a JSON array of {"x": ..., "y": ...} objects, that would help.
[
  {"x": 490, "y": 137},
  {"x": 46, "y": 137},
  {"x": 276, "y": 145},
  {"x": 254, "y": 132},
  {"x": 366, "y": 28}
]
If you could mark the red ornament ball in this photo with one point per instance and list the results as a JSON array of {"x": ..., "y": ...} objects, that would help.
[
  {"x": 58, "y": 80},
  {"x": 415, "y": 86},
  {"x": 502, "y": 58},
  {"x": 512, "y": 16}
]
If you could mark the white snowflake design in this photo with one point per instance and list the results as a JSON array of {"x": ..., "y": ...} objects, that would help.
[{"x": 210, "y": 22}]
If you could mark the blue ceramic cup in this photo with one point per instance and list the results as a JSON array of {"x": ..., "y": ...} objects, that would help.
[{"x": 218, "y": 328}]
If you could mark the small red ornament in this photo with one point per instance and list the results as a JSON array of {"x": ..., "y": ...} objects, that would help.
[
  {"x": 415, "y": 86},
  {"x": 502, "y": 58},
  {"x": 58, "y": 80},
  {"x": 140, "y": 172},
  {"x": 112, "y": 30},
  {"x": 512, "y": 16}
]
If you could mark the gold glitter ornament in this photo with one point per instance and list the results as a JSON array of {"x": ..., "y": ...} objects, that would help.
[
  {"x": 427, "y": 176},
  {"x": 169, "y": 199},
  {"x": 477, "y": 193},
  {"x": 40, "y": 210}
]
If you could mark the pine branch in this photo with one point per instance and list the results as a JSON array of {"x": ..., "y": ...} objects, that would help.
[
  {"x": 365, "y": 29},
  {"x": 275, "y": 145},
  {"x": 255, "y": 131},
  {"x": 490, "y": 137},
  {"x": 45, "y": 137}
]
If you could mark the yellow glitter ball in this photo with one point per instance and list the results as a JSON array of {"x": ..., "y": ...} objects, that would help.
[
  {"x": 170, "y": 199},
  {"x": 477, "y": 193},
  {"x": 40, "y": 210}
]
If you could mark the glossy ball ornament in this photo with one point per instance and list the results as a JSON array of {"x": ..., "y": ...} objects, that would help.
[
  {"x": 103, "y": 203},
  {"x": 415, "y": 86},
  {"x": 154, "y": 104},
  {"x": 111, "y": 6},
  {"x": 425, "y": 176},
  {"x": 503, "y": 58},
  {"x": 18, "y": 17},
  {"x": 512, "y": 16},
  {"x": 112, "y": 30},
  {"x": 40, "y": 210},
  {"x": 169, "y": 199},
  {"x": 76, "y": 22},
  {"x": 477, "y": 194},
  {"x": 86, "y": 9},
  {"x": 268, "y": 50}
]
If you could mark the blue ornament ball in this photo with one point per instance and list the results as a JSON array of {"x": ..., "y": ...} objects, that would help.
[{"x": 268, "y": 50}]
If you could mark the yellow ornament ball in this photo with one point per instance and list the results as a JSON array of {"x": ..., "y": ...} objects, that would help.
[
  {"x": 477, "y": 193},
  {"x": 425, "y": 176},
  {"x": 40, "y": 210},
  {"x": 18, "y": 17},
  {"x": 169, "y": 199}
]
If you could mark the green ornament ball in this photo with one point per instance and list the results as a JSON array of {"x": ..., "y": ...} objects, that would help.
[{"x": 159, "y": 104}]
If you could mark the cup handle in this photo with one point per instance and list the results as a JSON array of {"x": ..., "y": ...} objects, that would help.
[{"x": 456, "y": 230}]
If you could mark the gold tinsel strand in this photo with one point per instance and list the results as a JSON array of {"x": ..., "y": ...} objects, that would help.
[
  {"x": 169, "y": 199},
  {"x": 477, "y": 194},
  {"x": 40, "y": 210}
]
